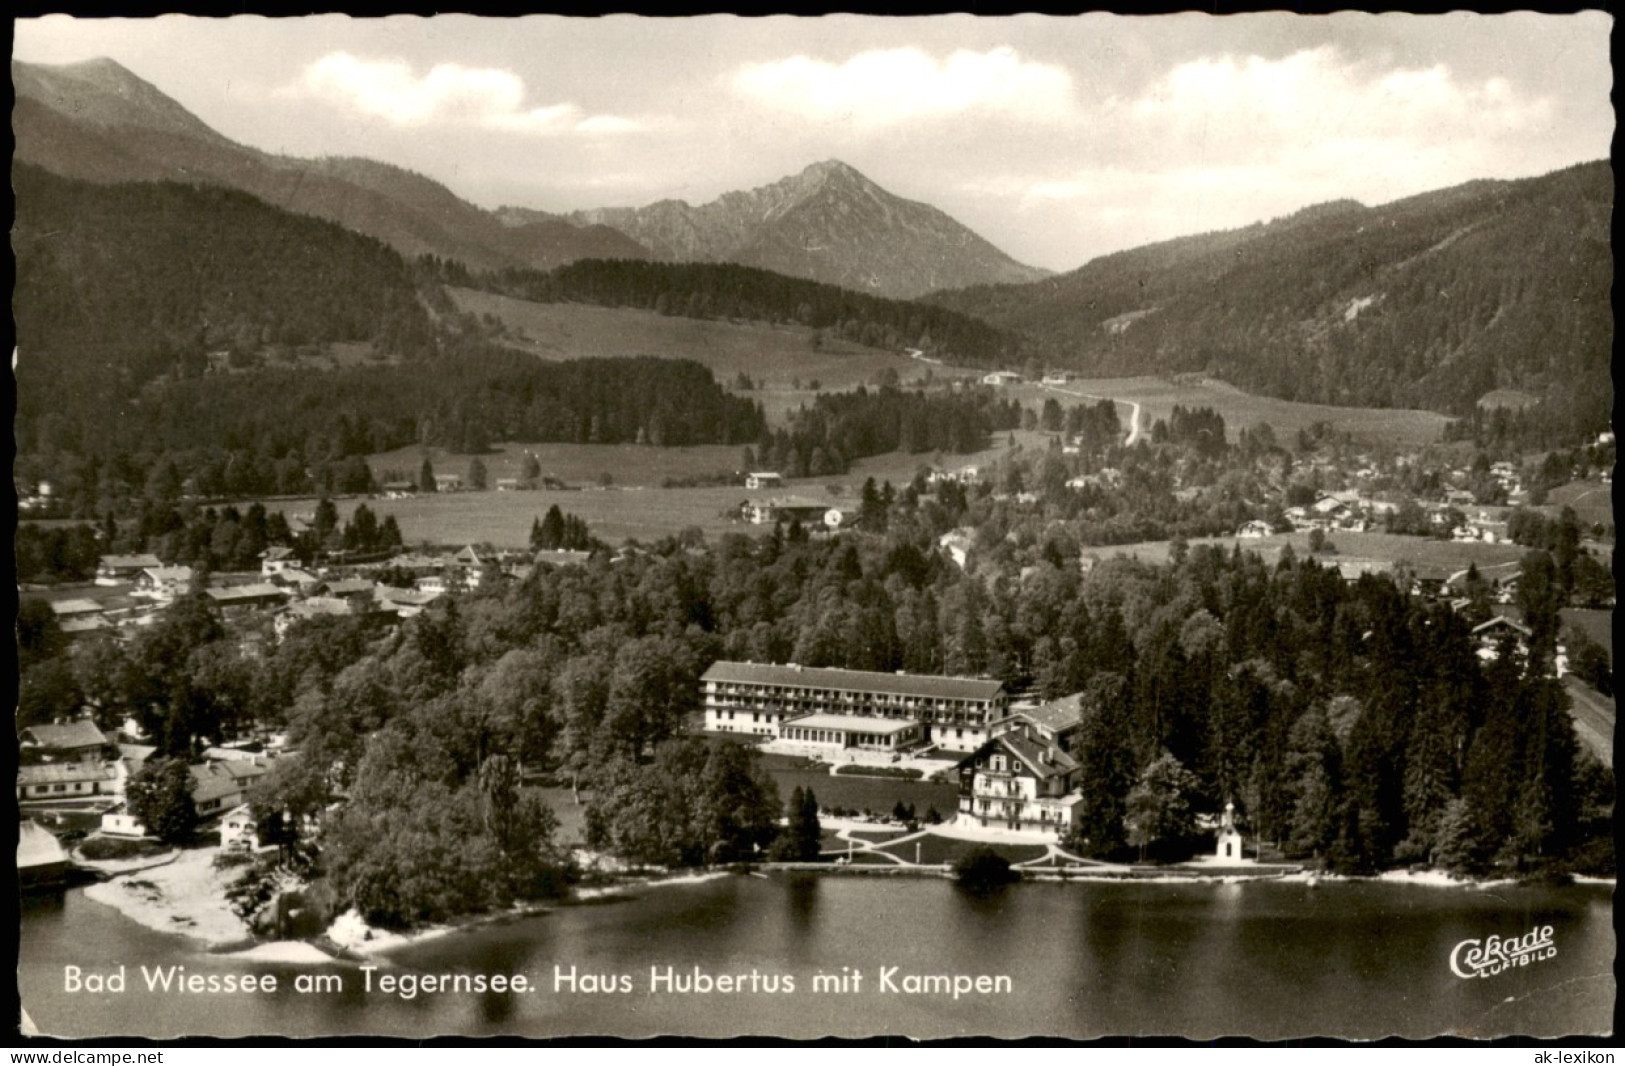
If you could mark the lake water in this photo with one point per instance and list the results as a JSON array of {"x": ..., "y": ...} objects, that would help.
[{"x": 1267, "y": 959}]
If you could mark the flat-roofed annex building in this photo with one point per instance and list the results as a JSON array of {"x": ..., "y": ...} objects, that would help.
[
  {"x": 852, "y": 731},
  {"x": 953, "y": 713}
]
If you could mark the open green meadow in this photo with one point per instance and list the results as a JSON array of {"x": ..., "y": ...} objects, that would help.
[
  {"x": 577, "y": 465},
  {"x": 933, "y": 850},
  {"x": 1592, "y": 500},
  {"x": 1240, "y": 409},
  {"x": 503, "y": 519},
  {"x": 1379, "y": 549},
  {"x": 775, "y": 357},
  {"x": 617, "y": 488}
]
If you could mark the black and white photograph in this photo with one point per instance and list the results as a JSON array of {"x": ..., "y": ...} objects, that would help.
[{"x": 954, "y": 527}]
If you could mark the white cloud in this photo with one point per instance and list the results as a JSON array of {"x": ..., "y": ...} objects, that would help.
[
  {"x": 890, "y": 86},
  {"x": 1226, "y": 140},
  {"x": 485, "y": 97},
  {"x": 1314, "y": 100}
]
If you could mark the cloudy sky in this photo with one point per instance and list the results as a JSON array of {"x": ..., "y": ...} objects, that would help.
[{"x": 1058, "y": 139}]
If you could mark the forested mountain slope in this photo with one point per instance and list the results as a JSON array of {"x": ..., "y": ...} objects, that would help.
[
  {"x": 96, "y": 121},
  {"x": 166, "y": 327},
  {"x": 1430, "y": 301}
]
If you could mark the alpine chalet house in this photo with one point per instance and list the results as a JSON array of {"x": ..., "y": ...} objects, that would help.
[
  {"x": 1025, "y": 778},
  {"x": 851, "y": 708},
  {"x": 119, "y": 569}
]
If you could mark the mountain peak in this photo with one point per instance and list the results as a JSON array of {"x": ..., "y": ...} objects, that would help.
[
  {"x": 831, "y": 167},
  {"x": 105, "y": 93},
  {"x": 831, "y": 172},
  {"x": 828, "y": 222}
]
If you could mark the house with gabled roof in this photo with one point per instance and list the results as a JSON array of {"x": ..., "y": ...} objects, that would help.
[
  {"x": 1054, "y": 721},
  {"x": 75, "y": 608},
  {"x": 164, "y": 582},
  {"x": 1487, "y": 636},
  {"x": 219, "y": 786},
  {"x": 1020, "y": 783},
  {"x": 78, "y": 740},
  {"x": 241, "y": 597},
  {"x": 64, "y": 780},
  {"x": 118, "y": 569}
]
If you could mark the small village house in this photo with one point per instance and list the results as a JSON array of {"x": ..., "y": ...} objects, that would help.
[
  {"x": 76, "y": 741},
  {"x": 164, "y": 582},
  {"x": 243, "y": 598},
  {"x": 121, "y": 569},
  {"x": 1018, "y": 782},
  {"x": 66, "y": 780}
]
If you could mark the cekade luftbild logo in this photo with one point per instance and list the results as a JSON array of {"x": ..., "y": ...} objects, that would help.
[{"x": 1486, "y": 958}]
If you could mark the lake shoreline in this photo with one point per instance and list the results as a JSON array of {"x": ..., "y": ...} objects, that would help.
[{"x": 190, "y": 901}]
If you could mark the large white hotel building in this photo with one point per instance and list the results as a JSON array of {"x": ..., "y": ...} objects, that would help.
[{"x": 851, "y": 708}]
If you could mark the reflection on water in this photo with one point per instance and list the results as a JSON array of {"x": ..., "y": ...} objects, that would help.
[{"x": 1273, "y": 960}]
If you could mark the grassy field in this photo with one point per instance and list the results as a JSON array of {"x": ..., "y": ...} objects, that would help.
[
  {"x": 875, "y": 794},
  {"x": 1382, "y": 548},
  {"x": 1158, "y": 397},
  {"x": 632, "y": 505},
  {"x": 503, "y": 519},
  {"x": 1592, "y": 500},
  {"x": 774, "y": 356},
  {"x": 574, "y": 464},
  {"x": 935, "y": 849}
]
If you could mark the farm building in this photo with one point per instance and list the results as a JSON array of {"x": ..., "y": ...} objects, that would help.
[{"x": 784, "y": 509}]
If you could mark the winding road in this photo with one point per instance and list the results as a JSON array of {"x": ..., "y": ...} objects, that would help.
[{"x": 1134, "y": 422}]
